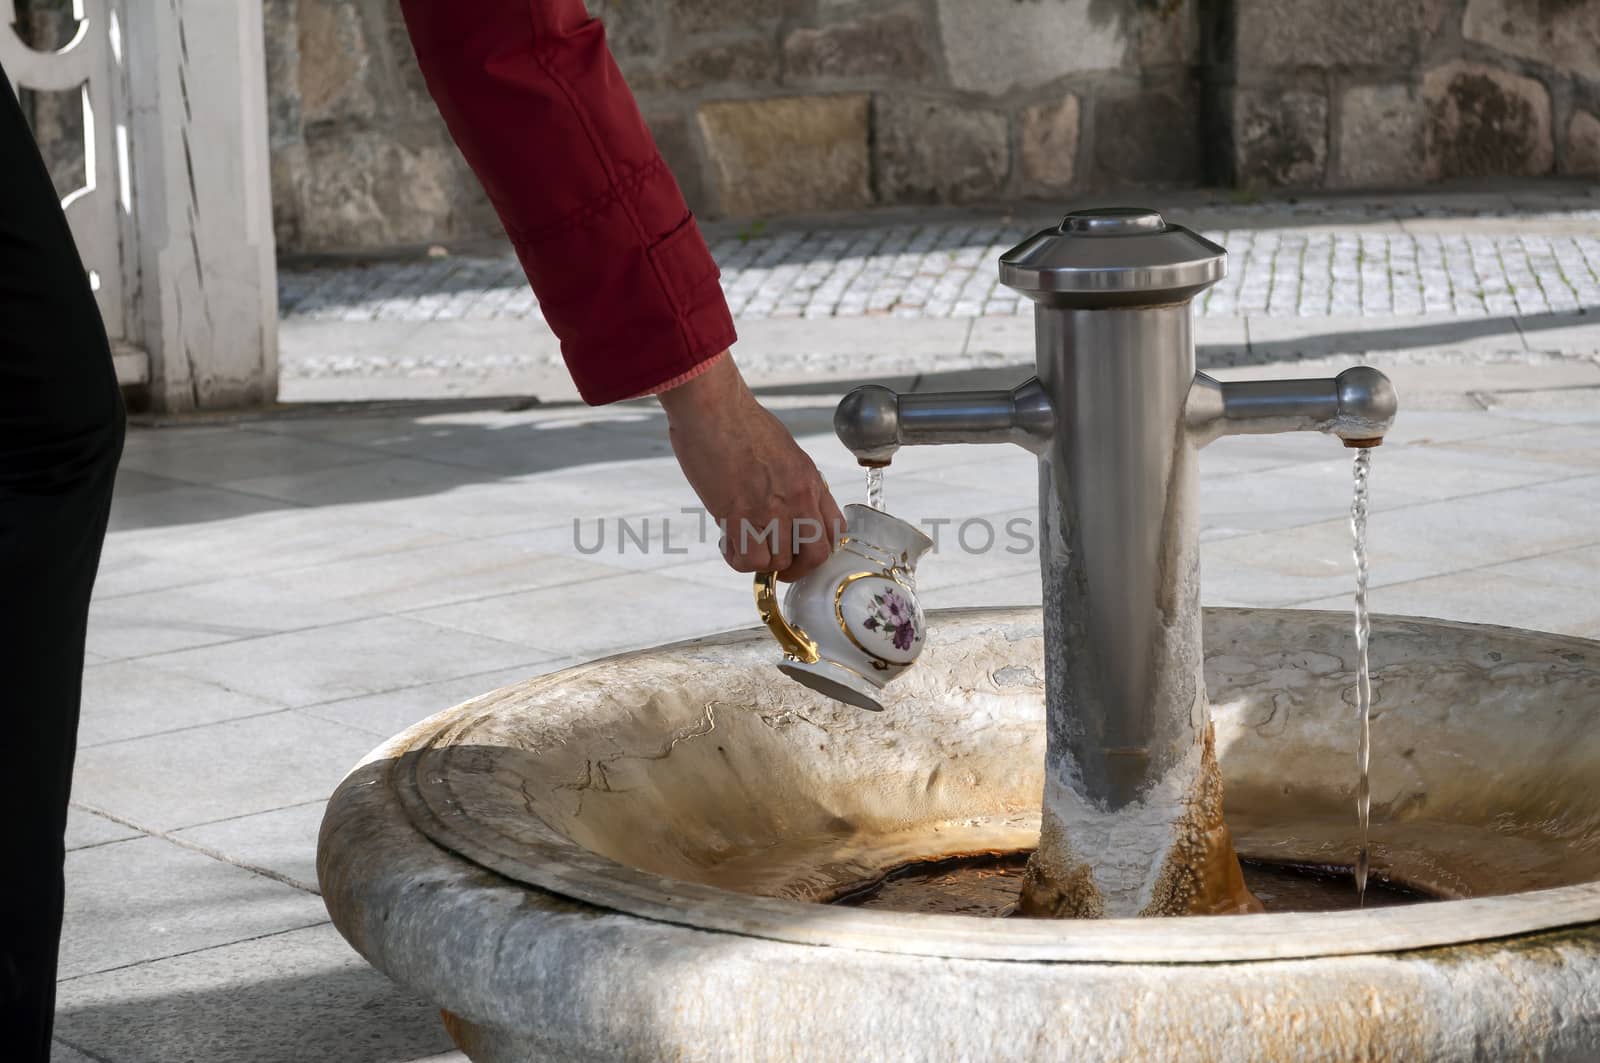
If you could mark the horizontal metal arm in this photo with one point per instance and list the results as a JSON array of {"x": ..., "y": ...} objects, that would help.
[
  {"x": 874, "y": 422},
  {"x": 1358, "y": 406}
]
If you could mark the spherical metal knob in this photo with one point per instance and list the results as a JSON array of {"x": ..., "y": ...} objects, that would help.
[
  {"x": 1367, "y": 405},
  {"x": 867, "y": 421}
]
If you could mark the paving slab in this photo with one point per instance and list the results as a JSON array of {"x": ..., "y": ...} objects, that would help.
[
  {"x": 379, "y": 480},
  {"x": 131, "y": 699},
  {"x": 86, "y": 828},
  {"x": 436, "y": 575},
  {"x": 1284, "y": 338},
  {"x": 1293, "y": 495},
  {"x": 651, "y": 541},
  {"x": 1565, "y": 444},
  {"x": 1313, "y": 561},
  {"x": 348, "y": 660},
  {"x": 134, "y": 901},
  {"x": 219, "y": 771},
  {"x": 237, "y": 455},
  {"x": 130, "y": 482},
  {"x": 278, "y": 539},
  {"x": 61, "y": 1053},
  {"x": 1575, "y": 405},
  {"x": 291, "y": 997},
  {"x": 1564, "y": 333},
  {"x": 389, "y": 713},
  {"x": 1022, "y": 589},
  {"x": 184, "y": 504},
  {"x": 606, "y": 615},
  {"x": 127, "y": 569},
  {"x": 1549, "y": 593},
  {"x": 283, "y": 841},
  {"x": 203, "y": 614},
  {"x": 484, "y": 507}
]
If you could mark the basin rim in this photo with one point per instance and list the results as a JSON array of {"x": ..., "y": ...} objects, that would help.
[{"x": 688, "y": 908}]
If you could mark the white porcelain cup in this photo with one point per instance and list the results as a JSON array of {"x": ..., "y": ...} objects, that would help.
[{"x": 855, "y": 623}]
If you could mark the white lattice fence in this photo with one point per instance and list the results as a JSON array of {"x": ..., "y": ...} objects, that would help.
[
  {"x": 174, "y": 217},
  {"x": 101, "y": 211}
]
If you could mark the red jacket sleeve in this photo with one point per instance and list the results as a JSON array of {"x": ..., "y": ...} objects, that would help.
[{"x": 537, "y": 105}]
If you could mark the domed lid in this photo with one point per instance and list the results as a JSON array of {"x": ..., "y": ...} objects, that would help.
[{"x": 1113, "y": 256}]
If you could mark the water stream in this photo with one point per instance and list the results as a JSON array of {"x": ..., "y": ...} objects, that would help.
[
  {"x": 875, "y": 487},
  {"x": 1358, "y": 528}
]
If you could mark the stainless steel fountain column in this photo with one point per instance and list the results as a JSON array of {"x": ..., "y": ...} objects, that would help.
[{"x": 1116, "y": 415}]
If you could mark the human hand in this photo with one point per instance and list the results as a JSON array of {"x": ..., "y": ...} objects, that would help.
[{"x": 775, "y": 510}]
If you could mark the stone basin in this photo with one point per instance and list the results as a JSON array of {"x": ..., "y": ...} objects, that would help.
[{"x": 625, "y": 860}]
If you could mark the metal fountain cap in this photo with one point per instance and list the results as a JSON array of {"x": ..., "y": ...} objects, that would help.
[{"x": 1110, "y": 257}]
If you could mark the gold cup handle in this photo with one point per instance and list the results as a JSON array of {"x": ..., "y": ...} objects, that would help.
[{"x": 796, "y": 643}]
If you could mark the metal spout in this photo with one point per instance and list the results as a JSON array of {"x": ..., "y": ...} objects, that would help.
[
  {"x": 1358, "y": 406},
  {"x": 874, "y": 422}
]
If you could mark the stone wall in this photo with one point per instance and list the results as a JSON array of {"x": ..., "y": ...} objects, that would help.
[
  {"x": 1361, "y": 92},
  {"x": 784, "y": 106},
  {"x": 360, "y": 157}
]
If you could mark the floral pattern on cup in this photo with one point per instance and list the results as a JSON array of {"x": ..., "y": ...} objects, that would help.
[{"x": 894, "y": 618}]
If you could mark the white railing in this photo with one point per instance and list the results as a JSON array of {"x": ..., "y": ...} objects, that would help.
[
  {"x": 174, "y": 221},
  {"x": 101, "y": 211}
]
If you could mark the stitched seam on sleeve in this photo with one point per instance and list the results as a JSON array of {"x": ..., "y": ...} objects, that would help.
[
  {"x": 684, "y": 334},
  {"x": 581, "y": 215},
  {"x": 536, "y": 41}
]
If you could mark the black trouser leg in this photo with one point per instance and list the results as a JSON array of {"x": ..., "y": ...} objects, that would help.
[{"x": 61, "y": 425}]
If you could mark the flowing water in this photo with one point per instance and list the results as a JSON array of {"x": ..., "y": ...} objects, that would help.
[
  {"x": 875, "y": 487},
  {"x": 1358, "y": 528},
  {"x": 989, "y": 884}
]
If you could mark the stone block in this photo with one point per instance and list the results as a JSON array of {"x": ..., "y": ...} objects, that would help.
[
  {"x": 788, "y": 155},
  {"x": 1380, "y": 136},
  {"x": 633, "y": 27},
  {"x": 929, "y": 151},
  {"x": 996, "y": 47},
  {"x": 712, "y": 16},
  {"x": 1150, "y": 138},
  {"x": 750, "y": 61},
  {"x": 1485, "y": 122},
  {"x": 1280, "y": 138},
  {"x": 375, "y": 188},
  {"x": 1583, "y": 145},
  {"x": 288, "y": 173},
  {"x": 674, "y": 139},
  {"x": 282, "y": 46},
  {"x": 889, "y": 45},
  {"x": 1348, "y": 33},
  {"x": 1168, "y": 32},
  {"x": 407, "y": 92},
  {"x": 1050, "y": 143},
  {"x": 1564, "y": 34},
  {"x": 335, "y": 62}
]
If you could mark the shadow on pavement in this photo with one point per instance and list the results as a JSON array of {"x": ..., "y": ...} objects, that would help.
[{"x": 352, "y": 1014}]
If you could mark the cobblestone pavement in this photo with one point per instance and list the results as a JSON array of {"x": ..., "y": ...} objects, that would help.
[
  {"x": 1293, "y": 268},
  {"x": 1443, "y": 280}
]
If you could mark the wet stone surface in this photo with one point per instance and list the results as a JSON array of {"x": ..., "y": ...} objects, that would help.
[{"x": 987, "y": 885}]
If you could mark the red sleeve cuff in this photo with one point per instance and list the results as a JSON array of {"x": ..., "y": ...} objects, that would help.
[{"x": 631, "y": 320}]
